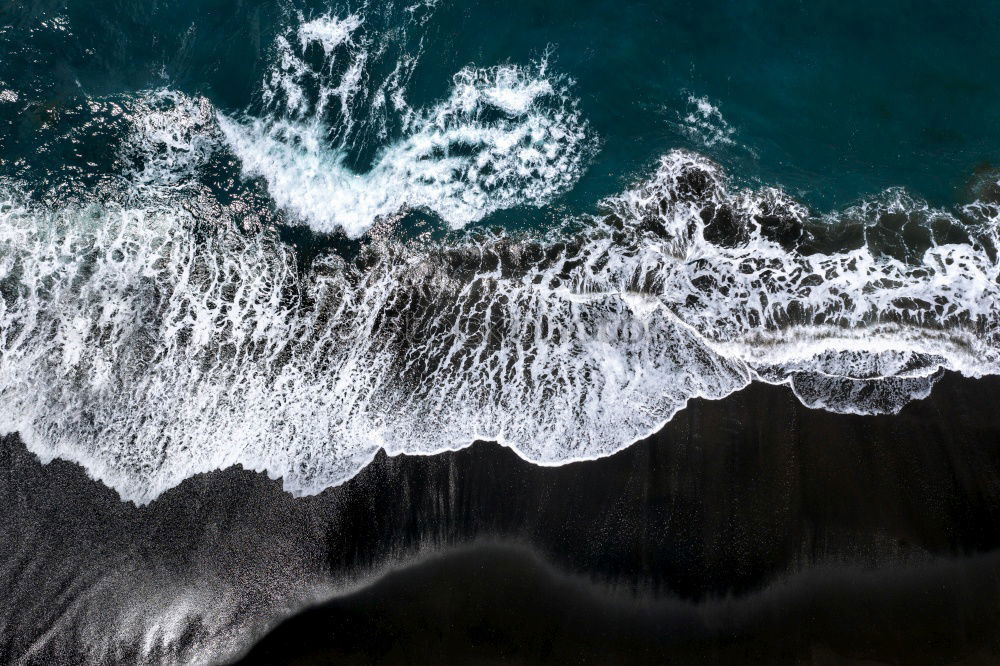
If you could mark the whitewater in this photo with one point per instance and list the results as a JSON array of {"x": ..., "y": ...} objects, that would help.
[{"x": 165, "y": 332}]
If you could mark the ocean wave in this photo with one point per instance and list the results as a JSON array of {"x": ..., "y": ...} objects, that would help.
[
  {"x": 505, "y": 136},
  {"x": 152, "y": 342},
  {"x": 170, "y": 332}
]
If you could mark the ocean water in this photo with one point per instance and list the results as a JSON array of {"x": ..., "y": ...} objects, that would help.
[
  {"x": 289, "y": 235},
  {"x": 293, "y": 237}
]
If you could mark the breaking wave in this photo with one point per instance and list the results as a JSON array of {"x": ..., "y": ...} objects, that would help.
[
  {"x": 505, "y": 136},
  {"x": 150, "y": 343},
  {"x": 171, "y": 332}
]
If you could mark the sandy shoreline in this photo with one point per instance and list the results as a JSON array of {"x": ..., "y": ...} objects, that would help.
[{"x": 879, "y": 525}]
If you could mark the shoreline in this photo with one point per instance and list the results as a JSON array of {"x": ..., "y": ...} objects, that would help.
[{"x": 728, "y": 500}]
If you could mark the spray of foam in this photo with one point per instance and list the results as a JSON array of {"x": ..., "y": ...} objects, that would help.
[
  {"x": 153, "y": 342},
  {"x": 304, "y": 91},
  {"x": 172, "y": 136},
  {"x": 704, "y": 122},
  {"x": 505, "y": 136}
]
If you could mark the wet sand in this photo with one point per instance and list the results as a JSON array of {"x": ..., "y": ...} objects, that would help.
[
  {"x": 492, "y": 604},
  {"x": 748, "y": 529}
]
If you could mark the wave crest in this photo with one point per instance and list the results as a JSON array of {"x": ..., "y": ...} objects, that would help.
[
  {"x": 153, "y": 343},
  {"x": 505, "y": 136}
]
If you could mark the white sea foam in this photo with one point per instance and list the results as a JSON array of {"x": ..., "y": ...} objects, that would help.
[
  {"x": 173, "y": 135},
  {"x": 152, "y": 340},
  {"x": 704, "y": 122},
  {"x": 328, "y": 31},
  {"x": 153, "y": 343},
  {"x": 505, "y": 136}
]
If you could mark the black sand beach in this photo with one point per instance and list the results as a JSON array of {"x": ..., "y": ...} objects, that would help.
[
  {"x": 248, "y": 247},
  {"x": 492, "y": 604},
  {"x": 750, "y": 529}
]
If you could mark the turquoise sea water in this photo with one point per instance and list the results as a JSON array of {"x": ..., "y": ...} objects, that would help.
[{"x": 830, "y": 100}]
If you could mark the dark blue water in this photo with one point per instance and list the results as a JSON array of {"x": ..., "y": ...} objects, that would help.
[{"x": 830, "y": 101}]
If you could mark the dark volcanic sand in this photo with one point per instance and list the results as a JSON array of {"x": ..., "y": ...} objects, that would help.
[
  {"x": 750, "y": 528},
  {"x": 493, "y": 604}
]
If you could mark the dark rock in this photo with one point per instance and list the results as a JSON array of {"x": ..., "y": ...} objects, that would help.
[{"x": 723, "y": 227}]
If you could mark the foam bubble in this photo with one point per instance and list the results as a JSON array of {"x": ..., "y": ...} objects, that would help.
[
  {"x": 149, "y": 346},
  {"x": 172, "y": 136},
  {"x": 704, "y": 122},
  {"x": 328, "y": 31},
  {"x": 505, "y": 136}
]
